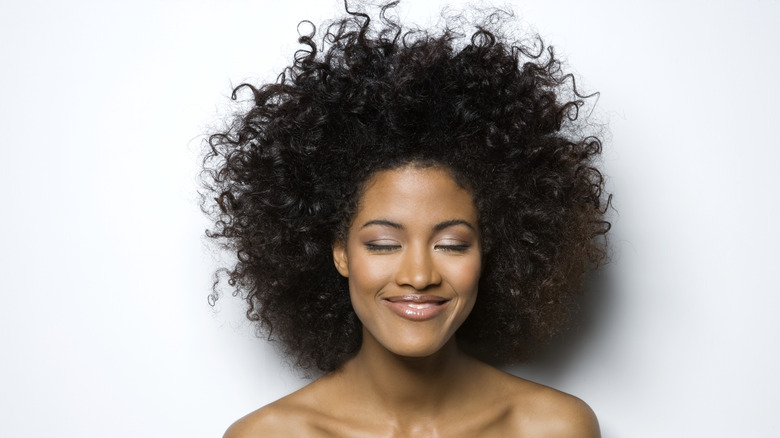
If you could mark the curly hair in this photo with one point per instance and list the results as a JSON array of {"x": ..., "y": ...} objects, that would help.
[{"x": 283, "y": 181}]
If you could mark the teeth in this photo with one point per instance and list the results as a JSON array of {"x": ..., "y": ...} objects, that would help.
[{"x": 420, "y": 305}]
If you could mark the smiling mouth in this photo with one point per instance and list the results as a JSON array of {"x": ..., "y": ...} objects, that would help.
[{"x": 417, "y": 307}]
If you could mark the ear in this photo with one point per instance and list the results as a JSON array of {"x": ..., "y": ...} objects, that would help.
[{"x": 340, "y": 258}]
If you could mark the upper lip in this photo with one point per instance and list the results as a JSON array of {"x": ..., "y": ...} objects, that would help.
[{"x": 417, "y": 298}]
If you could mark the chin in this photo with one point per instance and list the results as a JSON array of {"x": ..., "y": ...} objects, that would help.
[
  {"x": 420, "y": 349},
  {"x": 416, "y": 353}
]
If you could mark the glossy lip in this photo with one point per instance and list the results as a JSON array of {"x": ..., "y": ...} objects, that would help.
[{"x": 416, "y": 307}]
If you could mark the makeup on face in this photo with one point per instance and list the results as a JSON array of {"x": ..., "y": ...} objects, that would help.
[{"x": 413, "y": 258}]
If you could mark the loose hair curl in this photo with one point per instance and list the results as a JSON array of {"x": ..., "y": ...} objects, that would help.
[{"x": 501, "y": 116}]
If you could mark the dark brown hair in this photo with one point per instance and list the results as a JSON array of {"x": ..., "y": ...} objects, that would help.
[{"x": 502, "y": 116}]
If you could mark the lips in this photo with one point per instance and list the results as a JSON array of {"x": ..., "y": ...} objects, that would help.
[{"x": 416, "y": 307}]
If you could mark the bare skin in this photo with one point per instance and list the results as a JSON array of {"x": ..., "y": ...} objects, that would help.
[
  {"x": 470, "y": 399},
  {"x": 416, "y": 235}
]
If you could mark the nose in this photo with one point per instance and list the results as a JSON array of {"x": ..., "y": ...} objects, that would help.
[{"x": 417, "y": 268}]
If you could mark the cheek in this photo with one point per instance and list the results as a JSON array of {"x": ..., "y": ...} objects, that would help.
[
  {"x": 464, "y": 277},
  {"x": 366, "y": 280},
  {"x": 367, "y": 275}
]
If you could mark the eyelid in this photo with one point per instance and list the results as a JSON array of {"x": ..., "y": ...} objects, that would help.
[
  {"x": 382, "y": 245},
  {"x": 453, "y": 244},
  {"x": 454, "y": 239},
  {"x": 453, "y": 247}
]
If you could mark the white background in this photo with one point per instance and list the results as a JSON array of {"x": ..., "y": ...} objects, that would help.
[{"x": 105, "y": 329}]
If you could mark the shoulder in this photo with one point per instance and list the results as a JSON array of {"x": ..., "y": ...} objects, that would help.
[
  {"x": 541, "y": 411},
  {"x": 563, "y": 415},
  {"x": 303, "y": 413},
  {"x": 278, "y": 419}
]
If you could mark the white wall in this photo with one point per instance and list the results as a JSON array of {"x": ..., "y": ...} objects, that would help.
[{"x": 105, "y": 329}]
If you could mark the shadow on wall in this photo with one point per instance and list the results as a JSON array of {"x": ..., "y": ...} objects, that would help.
[{"x": 550, "y": 365}]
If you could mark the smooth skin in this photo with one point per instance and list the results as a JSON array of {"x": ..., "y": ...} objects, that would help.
[{"x": 416, "y": 234}]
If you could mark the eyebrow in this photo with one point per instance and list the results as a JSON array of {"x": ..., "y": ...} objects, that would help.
[
  {"x": 383, "y": 222},
  {"x": 438, "y": 227},
  {"x": 451, "y": 223}
]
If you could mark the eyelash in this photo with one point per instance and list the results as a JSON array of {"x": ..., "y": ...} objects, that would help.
[
  {"x": 453, "y": 248},
  {"x": 388, "y": 248},
  {"x": 381, "y": 248}
]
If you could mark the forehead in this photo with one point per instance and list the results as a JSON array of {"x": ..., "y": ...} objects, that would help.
[{"x": 412, "y": 193}]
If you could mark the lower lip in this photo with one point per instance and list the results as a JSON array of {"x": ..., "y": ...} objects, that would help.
[{"x": 416, "y": 311}]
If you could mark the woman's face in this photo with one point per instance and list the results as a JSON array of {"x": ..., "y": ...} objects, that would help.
[{"x": 413, "y": 259}]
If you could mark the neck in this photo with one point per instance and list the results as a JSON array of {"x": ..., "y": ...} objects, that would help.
[{"x": 409, "y": 387}]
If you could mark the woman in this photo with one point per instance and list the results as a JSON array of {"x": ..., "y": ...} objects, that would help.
[{"x": 447, "y": 181}]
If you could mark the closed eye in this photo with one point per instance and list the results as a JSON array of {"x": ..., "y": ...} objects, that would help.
[
  {"x": 374, "y": 247},
  {"x": 453, "y": 248}
]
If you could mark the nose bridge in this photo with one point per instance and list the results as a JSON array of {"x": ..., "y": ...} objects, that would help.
[{"x": 418, "y": 267}]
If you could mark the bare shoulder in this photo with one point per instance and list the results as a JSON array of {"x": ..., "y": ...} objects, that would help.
[
  {"x": 541, "y": 411},
  {"x": 564, "y": 415},
  {"x": 278, "y": 419},
  {"x": 293, "y": 415}
]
